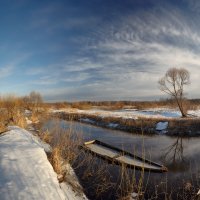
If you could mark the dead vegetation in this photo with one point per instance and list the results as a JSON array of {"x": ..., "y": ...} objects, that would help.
[
  {"x": 191, "y": 104},
  {"x": 182, "y": 126},
  {"x": 64, "y": 143},
  {"x": 148, "y": 125},
  {"x": 13, "y": 110},
  {"x": 95, "y": 174}
]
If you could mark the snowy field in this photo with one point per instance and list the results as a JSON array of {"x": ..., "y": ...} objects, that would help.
[
  {"x": 25, "y": 172},
  {"x": 133, "y": 113}
]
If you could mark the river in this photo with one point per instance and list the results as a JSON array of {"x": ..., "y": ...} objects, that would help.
[{"x": 180, "y": 155}]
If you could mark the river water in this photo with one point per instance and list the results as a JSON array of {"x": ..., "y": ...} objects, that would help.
[{"x": 180, "y": 155}]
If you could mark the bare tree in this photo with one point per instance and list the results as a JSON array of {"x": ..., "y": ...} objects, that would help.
[
  {"x": 35, "y": 100},
  {"x": 26, "y": 102},
  {"x": 173, "y": 84}
]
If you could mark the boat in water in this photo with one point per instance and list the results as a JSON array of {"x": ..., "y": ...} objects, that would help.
[{"x": 120, "y": 157}]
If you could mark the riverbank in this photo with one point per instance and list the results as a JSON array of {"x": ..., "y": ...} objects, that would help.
[
  {"x": 25, "y": 172},
  {"x": 134, "y": 121}
]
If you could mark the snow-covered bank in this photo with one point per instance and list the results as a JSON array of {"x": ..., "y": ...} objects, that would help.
[
  {"x": 25, "y": 172},
  {"x": 149, "y": 122},
  {"x": 155, "y": 113}
]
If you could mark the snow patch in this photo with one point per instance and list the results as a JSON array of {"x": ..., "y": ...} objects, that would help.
[
  {"x": 28, "y": 112},
  {"x": 113, "y": 125},
  {"x": 28, "y": 121},
  {"x": 73, "y": 187},
  {"x": 161, "y": 127},
  {"x": 134, "y": 196},
  {"x": 195, "y": 113},
  {"x": 86, "y": 120},
  {"x": 69, "y": 191},
  {"x": 165, "y": 113}
]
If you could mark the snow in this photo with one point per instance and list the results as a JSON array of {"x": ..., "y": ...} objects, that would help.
[
  {"x": 159, "y": 113},
  {"x": 68, "y": 189},
  {"x": 156, "y": 113},
  {"x": 28, "y": 112},
  {"x": 87, "y": 120},
  {"x": 195, "y": 113},
  {"x": 25, "y": 172},
  {"x": 69, "y": 192},
  {"x": 28, "y": 121},
  {"x": 161, "y": 127},
  {"x": 113, "y": 125},
  {"x": 134, "y": 196},
  {"x": 62, "y": 110}
]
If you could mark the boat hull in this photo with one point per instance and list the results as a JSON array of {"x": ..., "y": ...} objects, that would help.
[{"x": 117, "y": 156}]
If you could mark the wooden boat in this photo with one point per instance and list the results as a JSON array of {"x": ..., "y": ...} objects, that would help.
[{"x": 118, "y": 156}]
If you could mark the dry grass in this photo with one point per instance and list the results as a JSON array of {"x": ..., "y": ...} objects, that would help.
[
  {"x": 64, "y": 143},
  {"x": 107, "y": 181},
  {"x": 35, "y": 116},
  {"x": 12, "y": 112},
  {"x": 45, "y": 136},
  {"x": 116, "y": 105},
  {"x": 3, "y": 128},
  {"x": 81, "y": 105},
  {"x": 95, "y": 173},
  {"x": 56, "y": 159},
  {"x": 19, "y": 120},
  {"x": 128, "y": 125},
  {"x": 177, "y": 126}
]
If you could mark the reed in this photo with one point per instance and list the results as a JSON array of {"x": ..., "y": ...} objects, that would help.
[{"x": 96, "y": 174}]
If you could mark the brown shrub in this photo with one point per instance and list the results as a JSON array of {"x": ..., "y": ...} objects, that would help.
[{"x": 56, "y": 159}]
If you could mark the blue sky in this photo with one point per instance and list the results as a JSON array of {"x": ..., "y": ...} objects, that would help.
[{"x": 97, "y": 49}]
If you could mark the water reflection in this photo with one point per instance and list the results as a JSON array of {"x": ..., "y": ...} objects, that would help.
[{"x": 174, "y": 156}]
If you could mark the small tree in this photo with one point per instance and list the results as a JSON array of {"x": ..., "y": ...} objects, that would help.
[
  {"x": 35, "y": 100},
  {"x": 173, "y": 84},
  {"x": 26, "y": 102}
]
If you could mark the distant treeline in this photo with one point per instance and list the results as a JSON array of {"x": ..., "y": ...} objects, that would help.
[{"x": 192, "y": 103}]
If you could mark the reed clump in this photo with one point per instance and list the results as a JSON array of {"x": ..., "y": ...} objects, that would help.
[
  {"x": 56, "y": 160},
  {"x": 64, "y": 143},
  {"x": 12, "y": 111},
  {"x": 13, "y": 108}
]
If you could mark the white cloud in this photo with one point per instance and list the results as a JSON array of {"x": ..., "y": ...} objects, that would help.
[
  {"x": 46, "y": 80},
  {"x": 125, "y": 59},
  {"x": 151, "y": 44},
  {"x": 6, "y": 71}
]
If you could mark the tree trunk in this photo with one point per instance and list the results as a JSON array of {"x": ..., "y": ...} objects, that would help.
[{"x": 180, "y": 106}]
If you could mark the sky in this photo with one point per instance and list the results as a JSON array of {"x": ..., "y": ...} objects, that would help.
[{"x": 74, "y": 50}]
